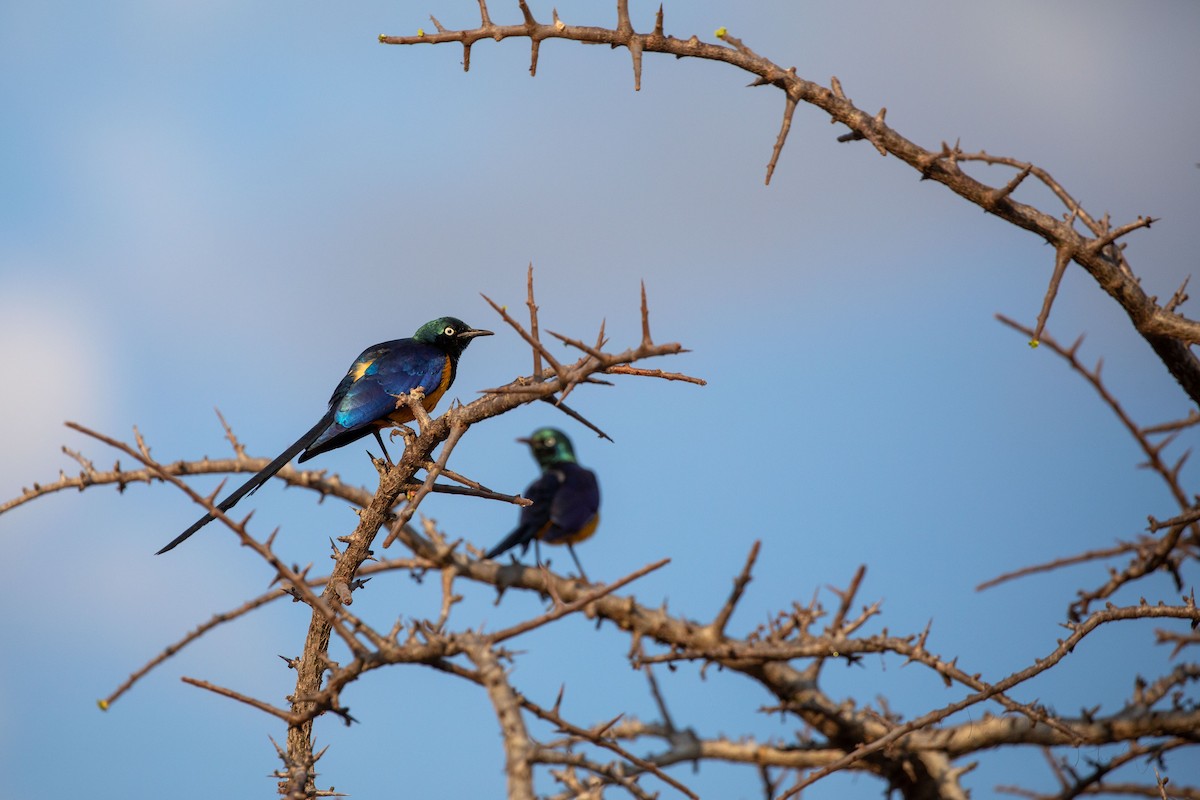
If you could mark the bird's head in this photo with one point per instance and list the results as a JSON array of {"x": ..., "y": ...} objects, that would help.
[
  {"x": 549, "y": 446},
  {"x": 449, "y": 333}
]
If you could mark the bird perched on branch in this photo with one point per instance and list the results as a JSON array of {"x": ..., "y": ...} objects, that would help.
[
  {"x": 566, "y": 499},
  {"x": 365, "y": 401}
]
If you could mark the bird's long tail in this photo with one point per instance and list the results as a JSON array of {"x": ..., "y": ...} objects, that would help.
[
  {"x": 521, "y": 536},
  {"x": 260, "y": 477}
]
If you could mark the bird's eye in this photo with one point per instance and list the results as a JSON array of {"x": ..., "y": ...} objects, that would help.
[
  {"x": 449, "y": 330},
  {"x": 550, "y": 442}
]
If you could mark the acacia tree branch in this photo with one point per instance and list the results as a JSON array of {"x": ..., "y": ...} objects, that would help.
[
  {"x": 755, "y": 658},
  {"x": 1058, "y": 563},
  {"x": 364, "y": 574},
  {"x": 1168, "y": 333},
  {"x": 309, "y": 698},
  {"x": 89, "y": 476},
  {"x": 1093, "y": 782},
  {"x": 1079, "y": 631},
  {"x": 914, "y": 758},
  {"x": 927, "y": 746},
  {"x": 1149, "y": 554},
  {"x": 241, "y": 698},
  {"x": 318, "y": 480},
  {"x": 294, "y": 580},
  {"x": 518, "y": 747}
]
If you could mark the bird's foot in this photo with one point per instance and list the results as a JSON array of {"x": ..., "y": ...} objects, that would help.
[{"x": 407, "y": 433}]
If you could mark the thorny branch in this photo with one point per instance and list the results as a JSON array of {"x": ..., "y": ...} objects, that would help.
[
  {"x": 310, "y": 697},
  {"x": 915, "y": 758},
  {"x": 1149, "y": 553},
  {"x": 1097, "y": 250},
  {"x": 763, "y": 656},
  {"x": 320, "y": 681}
]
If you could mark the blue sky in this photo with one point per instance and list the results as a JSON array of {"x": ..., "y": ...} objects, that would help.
[{"x": 221, "y": 204}]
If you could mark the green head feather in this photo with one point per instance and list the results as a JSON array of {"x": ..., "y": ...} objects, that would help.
[
  {"x": 550, "y": 446},
  {"x": 449, "y": 333}
]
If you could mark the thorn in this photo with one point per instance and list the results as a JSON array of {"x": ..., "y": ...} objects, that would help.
[
  {"x": 1062, "y": 257},
  {"x": 789, "y": 109},
  {"x": 996, "y": 196},
  {"x": 635, "y": 50},
  {"x": 527, "y": 14},
  {"x": 646, "y": 340}
]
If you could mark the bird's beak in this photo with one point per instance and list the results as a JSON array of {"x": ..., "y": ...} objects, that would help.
[
  {"x": 473, "y": 332},
  {"x": 523, "y": 440}
]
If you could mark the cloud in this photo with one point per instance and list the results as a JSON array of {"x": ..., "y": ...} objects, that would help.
[{"x": 53, "y": 364}]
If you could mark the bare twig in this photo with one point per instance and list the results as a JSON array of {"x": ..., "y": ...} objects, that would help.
[{"x": 1168, "y": 333}]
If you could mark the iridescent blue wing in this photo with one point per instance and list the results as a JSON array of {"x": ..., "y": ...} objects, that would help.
[
  {"x": 365, "y": 399},
  {"x": 575, "y": 503}
]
